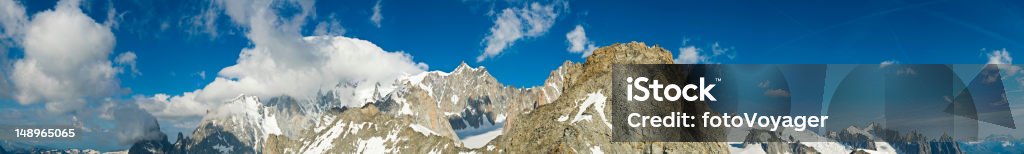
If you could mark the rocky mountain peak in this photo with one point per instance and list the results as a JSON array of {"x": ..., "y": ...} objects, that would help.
[
  {"x": 629, "y": 53},
  {"x": 245, "y": 99},
  {"x": 463, "y": 67},
  {"x": 577, "y": 119}
]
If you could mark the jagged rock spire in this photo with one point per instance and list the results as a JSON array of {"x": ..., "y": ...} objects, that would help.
[{"x": 376, "y": 92}]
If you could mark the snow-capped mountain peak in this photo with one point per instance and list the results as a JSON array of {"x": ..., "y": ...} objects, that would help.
[{"x": 239, "y": 125}]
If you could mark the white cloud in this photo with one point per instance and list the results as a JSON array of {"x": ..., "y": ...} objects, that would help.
[
  {"x": 127, "y": 59},
  {"x": 690, "y": 55},
  {"x": 60, "y": 70},
  {"x": 513, "y": 24},
  {"x": 887, "y": 63},
  {"x": 66, "y": 67},
  {"x": 163, "y": 105},
  {"x": 718, "y": 50},
  {"x": 204, "y": 23},
  {"x": 13, "y": 19},
  {"x": 283, "y": 62},
  {"x": 578, "y": 41},
  {"x": 1000, "y": 56},
  {"x": 1004, "y": 61},
  {"x": 330, "y": 27},
  {"x": 376, "y": 17}
]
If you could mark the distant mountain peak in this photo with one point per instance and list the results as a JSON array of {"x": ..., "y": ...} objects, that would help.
[
  {"x": 245, "y": 99},
  {"x": 465, "y": 67}
]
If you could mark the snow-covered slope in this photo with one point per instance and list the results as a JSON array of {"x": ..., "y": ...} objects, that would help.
[
  {"x": 466, "y": 104},
  {"x": 240, "y": 125}
]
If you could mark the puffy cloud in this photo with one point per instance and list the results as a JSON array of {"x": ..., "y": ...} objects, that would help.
[
  {"x": 127, "y": 59},
  {"x": 1000, "y": 56},
  {"x": 513, "y": 24},
  {"x": 578, "y": 41},
  {"x": 60, "y": 70},
  {"x": 376, "y": 17},
  {"x": 690, "y": 54},
  {"x": 66, "y": 67},
  {"x": 330, "y": 27},
  {"x": 12, "y": 18},
  {"x": 283, "y": 62},
  {"x": 344, "y": 60},
  {"x": 161, "y": 105},
  {"x": 1004, "y": 61}
]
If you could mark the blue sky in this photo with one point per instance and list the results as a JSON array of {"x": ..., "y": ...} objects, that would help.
[
  {"x": 444, "y": 33},
  {"x": 182, "y": 45}
]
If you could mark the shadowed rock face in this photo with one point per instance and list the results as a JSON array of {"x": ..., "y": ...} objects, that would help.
[{"x": 218, "y": 141}]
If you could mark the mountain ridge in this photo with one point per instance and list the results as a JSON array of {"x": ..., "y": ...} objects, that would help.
[{"x": 465, "y": 110}]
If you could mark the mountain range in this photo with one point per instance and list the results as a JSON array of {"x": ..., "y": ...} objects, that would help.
[{"x": 467, "y": 110}]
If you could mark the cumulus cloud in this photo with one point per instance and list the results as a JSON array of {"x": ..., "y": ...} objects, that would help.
[
  {"x": 376, "y": 17},
  {"x": 329, "y": 27},
  {"x": 60, "y": 70},
  {"x": 281, "y": 61},
  {"x": 1004, "y": 61},
  {"x": 13, "y": 19},
  {"x": 513, "y": 24},
  {"x": 204, "y": 23},
  {"x": 161, "y": 105},
  {"x": 691, "y": 54},
  {"x": 127, "y": 60},
  {"x": 578, "y": 42},
  {"x": 1000, "y": 56},
  {"x": 66, "y": 67}
]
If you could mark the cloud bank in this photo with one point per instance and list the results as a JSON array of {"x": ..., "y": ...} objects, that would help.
[
  {"x": 281, "y": 61},
  {"x": 66, "y": 66}
]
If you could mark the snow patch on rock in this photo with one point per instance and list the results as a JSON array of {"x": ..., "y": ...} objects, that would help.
[
  {"x": 480, "y": 140},
  {"x": 597, "y": 100},
  {"x": 422, "y": 130}
]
